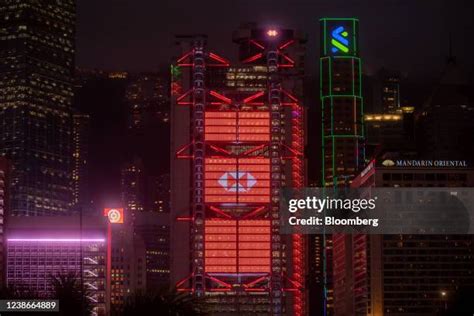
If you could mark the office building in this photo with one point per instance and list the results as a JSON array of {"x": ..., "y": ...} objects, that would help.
[
  {"x": 237, "y": 139},
  {"x": 132, "y": 186},
  {"x": 389, "y": 131},
  {"x": 341, "y": 101},
  {"x": 147, "y": 99},
  {"x": 128, "y": 265},
  {"x": 154, "y": 229},
  {"x": 41, "y": 248},
  {"x": 36, "y": 79},
  {"x": 158, "y": 196},
  {"x": 387, "y": 91},
  {"x": 403, "y": 274}
]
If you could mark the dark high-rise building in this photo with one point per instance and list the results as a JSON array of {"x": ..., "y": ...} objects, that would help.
[
  {"x": 388, "y": 91},
  {"x": 4, "y": 210},
  {"x": 237, "y": 138},
  {"x": 147, "y": 98},
  {"x": 403, "y": 274},
  {"x": 158, "y": 194},
  {"x": 447, "y": 117},
  {"x": 128, "y": 264},
  {"x": 154, "y": 229},
  {"x": 80, "y": 174},
  {"x": 341, "y": 101},
  {"x": 343, "y": 151},
  {"x": 389, "y": 131},
  {"x": 36, "y": 71},
  {"x": 132, "y": 186}
]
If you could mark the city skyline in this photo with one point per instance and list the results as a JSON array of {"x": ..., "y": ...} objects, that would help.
[{"x": 148, "y": 151}]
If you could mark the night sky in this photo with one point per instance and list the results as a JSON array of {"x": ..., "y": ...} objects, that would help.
[
  {"x": 407, "y": 35},
  {"x": 411, "y": 36}
]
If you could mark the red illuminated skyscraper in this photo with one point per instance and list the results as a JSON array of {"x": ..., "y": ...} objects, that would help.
[{"x": 237, "y": 143}]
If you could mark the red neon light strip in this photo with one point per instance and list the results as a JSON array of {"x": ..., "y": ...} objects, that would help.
[
  {"x": 253, "y": 97},
  {"x": 290, "y": 95},
  {"x": 253, "y": 150},
  {"x": 219, "y": 211},
  {"x": 286, "y": 44},
  {"x": 291, "y": 61},
  {"x": 254, "y": 212},
  {"x": 253, "y": 58},
  {"x": 220, "y": 97},
  {"x": 184, "y": 219},
  {"x": 256, "y": 290},
  {"x": 181, "y": 97},
  {"x": 293, "y": 150},
  {"x": 227, "y": 285},
  {"x": 179, "y": 154},
  {"x": 183, "y": 280},
  {"x": 222, "y": 150},
  {"x": 219, "y": 59},
  {"x": 254, "y": 42},
  {"x": 184, "y": 57},
  {"x": 255, "y": 281}
]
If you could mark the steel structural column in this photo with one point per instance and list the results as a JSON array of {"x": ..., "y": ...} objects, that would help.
[
  {"x": 274, "y": 100},
  {"x": 198, "y": 151}
]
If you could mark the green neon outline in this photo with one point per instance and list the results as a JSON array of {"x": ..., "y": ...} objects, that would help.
[{"x": 331, "y": 138}]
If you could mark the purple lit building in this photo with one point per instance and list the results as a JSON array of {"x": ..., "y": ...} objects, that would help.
[{"x": 42, "y": 247}]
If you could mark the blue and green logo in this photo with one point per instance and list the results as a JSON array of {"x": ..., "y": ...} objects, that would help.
[{"x": 339, "y": 40}]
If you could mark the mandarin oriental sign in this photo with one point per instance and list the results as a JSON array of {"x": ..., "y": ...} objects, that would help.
[{"x": 425, "y": 163}]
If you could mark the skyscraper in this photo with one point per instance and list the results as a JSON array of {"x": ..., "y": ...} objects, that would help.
[
  {"x": 403, "y": 274},
  {"x": 388, "y": 94},
  {"x": 36, "y": 70},
  {"x": 341, "y": 101},
  {"x": 132, "y": 185},
  {"x": 128, "y": 264},
  {"x": 39, "y": 249},
  {"x": 154, "y": 229},
  {"x": 235, "y": 143}
]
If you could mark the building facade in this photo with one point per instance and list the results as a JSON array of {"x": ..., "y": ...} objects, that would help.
[
  {"x": 132, "y": 186},
  {"x": 39, "y": 249},
  {"x": 235, "y": 143},
  {"x": 154, "y": 229},
  {"x": 402, "y": 274},
  {"x": 80, "y": 172},
  {"x": 128, "y": 265},
  {"x": 36, "y": 79},
  {"x": 341, "y": 101}
]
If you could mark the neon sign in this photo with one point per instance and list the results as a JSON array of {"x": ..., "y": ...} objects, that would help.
[
  {"x": 339, "y": 40},
  {"x": 114, "y": 215}
]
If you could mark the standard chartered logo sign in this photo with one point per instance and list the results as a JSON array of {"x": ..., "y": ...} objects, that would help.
[{"x": 339, "y": 40}]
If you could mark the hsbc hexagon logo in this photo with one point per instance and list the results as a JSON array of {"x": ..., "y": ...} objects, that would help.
[{"x": 239, "y": 181}]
